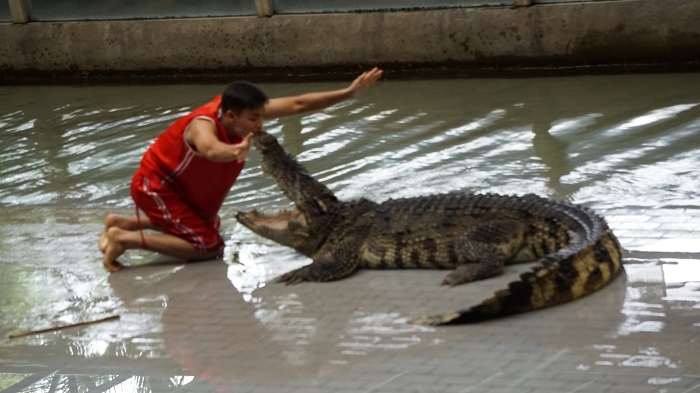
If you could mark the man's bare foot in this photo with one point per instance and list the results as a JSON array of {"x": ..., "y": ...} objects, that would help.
[
  {"x": 103, "y": 242},
  {"x": 111, "y": 220},
  {"x": 113, "y": 250}
]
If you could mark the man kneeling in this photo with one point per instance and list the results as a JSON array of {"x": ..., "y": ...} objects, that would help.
[{"x": 185, "y": 175}]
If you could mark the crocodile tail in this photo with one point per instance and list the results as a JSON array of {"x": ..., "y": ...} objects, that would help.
[{"x": 557, "y": 280}]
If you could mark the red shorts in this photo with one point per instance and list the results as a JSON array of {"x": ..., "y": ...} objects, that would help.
[{"x": 170, "y": 213}]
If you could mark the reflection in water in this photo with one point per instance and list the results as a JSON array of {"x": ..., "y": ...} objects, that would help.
[
  {"x": 658, "y": 300},
  {"x": 196, "y": 340},
  {"x": 232, "y": 339},
  {"x": 63, "y": 146},
  {"x": 554, "y": 155},
  {"x": 382, "y": 331},
  {"x": 626, "y": 146},
  {"x": 57, "y": 383},
  {"x": 561, "y": 137}
]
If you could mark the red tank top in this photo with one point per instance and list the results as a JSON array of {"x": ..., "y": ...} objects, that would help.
[{"x": 170, "y": 162}]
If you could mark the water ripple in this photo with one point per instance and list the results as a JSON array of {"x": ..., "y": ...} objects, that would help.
[{"x": 410, "y": 138}]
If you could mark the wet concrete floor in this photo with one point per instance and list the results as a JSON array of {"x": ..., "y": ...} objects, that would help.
[{"x": 625, "y": 146}]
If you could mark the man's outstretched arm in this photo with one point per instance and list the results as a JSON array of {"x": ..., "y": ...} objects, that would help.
[{"x": 285, "y": 106}]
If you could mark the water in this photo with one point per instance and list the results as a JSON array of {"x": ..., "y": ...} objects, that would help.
[
  {"x": 561, "y": 137},
  {"x": 626, "y": 146}
]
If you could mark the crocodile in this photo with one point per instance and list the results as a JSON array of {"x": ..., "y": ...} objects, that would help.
[{"x": 476, "y": 235}]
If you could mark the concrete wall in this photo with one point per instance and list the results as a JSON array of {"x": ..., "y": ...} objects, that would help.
[{"x": 623, "y": 34}]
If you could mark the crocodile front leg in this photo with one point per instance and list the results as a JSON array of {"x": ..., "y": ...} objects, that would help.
[{"x": 342, "y": 262}]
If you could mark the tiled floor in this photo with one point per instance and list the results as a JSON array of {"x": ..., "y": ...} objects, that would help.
[{"x": 224, "y": 326}]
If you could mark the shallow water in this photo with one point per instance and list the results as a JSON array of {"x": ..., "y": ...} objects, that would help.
[{"x": 626, "y": 146}]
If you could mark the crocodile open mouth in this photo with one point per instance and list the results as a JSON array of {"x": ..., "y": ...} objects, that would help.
[
  {"x": 286, "y": 227},
  {"x": 312, "y": 200},
  {"x": 275, "y": 221}
]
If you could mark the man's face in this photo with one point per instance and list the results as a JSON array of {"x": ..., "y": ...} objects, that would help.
[{"x": 242, "y": 124}]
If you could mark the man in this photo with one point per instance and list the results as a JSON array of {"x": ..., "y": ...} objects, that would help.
[{"x": 186, "y": 174}]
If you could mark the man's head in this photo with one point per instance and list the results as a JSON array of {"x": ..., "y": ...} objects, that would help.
[{"x": 242, "y": 108}]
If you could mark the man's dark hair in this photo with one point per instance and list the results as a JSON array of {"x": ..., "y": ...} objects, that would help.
[{"x": 242, "y": 95}]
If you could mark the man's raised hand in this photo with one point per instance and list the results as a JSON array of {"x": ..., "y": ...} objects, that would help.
[{"x": 365, "y": 80}]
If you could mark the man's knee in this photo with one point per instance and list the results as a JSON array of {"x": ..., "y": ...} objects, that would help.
[
  {"x": 206, "y": 256},
  {"x": 111, "y": 219},
  {"x": 210, "y": 250},
  {"x": 207, "y": 241}
]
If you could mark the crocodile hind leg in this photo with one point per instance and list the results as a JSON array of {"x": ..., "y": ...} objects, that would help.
[
  {"x": 481, "y": 261},
  {"x": 328, "y": 267},
  {"x": 484, "y": 250}
]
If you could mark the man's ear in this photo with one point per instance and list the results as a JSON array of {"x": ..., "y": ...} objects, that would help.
[{"x": 229, "y": 114}]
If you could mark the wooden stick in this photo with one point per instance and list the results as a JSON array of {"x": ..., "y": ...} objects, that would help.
[{"x": 30, "y": 332}]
